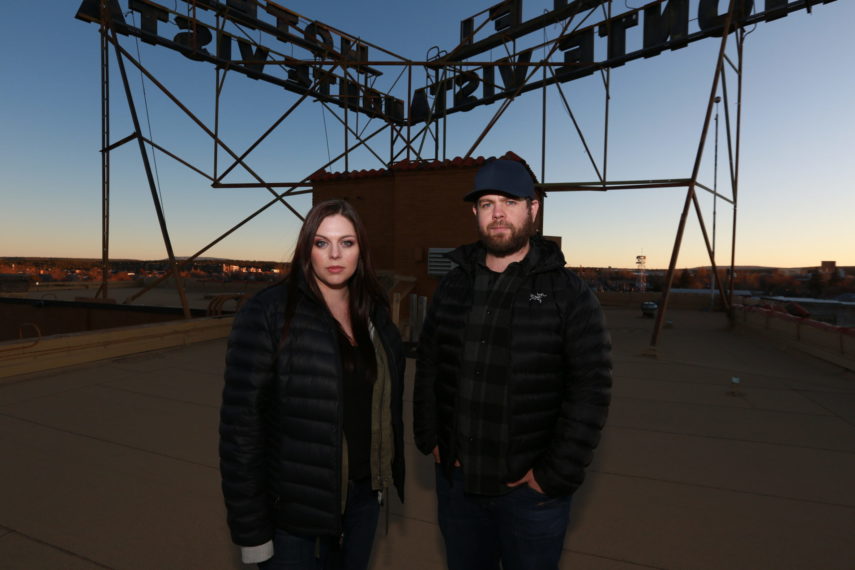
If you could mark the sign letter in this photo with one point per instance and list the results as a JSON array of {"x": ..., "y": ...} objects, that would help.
[
  {"x": 253, "y": 62},
  {"x": 513, "y": 76},
  {"x": 194, "y": 40},
  {"x": 149, "y": 16},
  {"x": 616, "y": 30},
  {"x": 419, "y": 107},
  {"x": 506, "y": 14},
  {"x": 467, "y": 82},
  {"x": 325, "y": 43},
  {"x": 578, "y": 49},
  {"x": 709, "y": 18},
  {"x": 672, "y": 22}
]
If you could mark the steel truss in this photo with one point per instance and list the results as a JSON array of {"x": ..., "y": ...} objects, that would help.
[{"x": 407, "y": 141}]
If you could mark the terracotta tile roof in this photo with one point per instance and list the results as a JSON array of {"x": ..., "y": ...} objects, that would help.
[
  {"x": 323, "y": 175},
  {"x": 457, "y": 162},
  {"x": 403, "y": 165}
]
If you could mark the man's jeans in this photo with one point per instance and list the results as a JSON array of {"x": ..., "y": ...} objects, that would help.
[
  {"x": 523, "y": 529},
  {"x": 296, "y": 552}
]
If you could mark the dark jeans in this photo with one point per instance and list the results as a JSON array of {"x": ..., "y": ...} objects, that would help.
[
  {"x": 296, "y": 552},
  {"x": 523, "y": 529}
]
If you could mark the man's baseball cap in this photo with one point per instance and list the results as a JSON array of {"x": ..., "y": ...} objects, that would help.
[{"x": 502, "y": 176}]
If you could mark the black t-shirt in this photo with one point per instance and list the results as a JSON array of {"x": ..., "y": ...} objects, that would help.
[{"x": 357, "y": 392}]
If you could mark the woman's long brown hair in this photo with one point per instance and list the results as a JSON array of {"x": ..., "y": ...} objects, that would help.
[{"x": 366, "y": 293}]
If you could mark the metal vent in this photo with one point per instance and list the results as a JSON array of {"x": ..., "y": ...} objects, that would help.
[{"x": 438, "y": 264}]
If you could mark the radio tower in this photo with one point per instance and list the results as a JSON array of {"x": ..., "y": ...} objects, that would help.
[{"x": 641, "y": 272}]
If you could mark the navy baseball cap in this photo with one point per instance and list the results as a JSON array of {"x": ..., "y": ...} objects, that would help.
[{"x": 502, "y": 176}]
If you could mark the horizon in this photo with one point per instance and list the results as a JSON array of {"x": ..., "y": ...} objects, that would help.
[{"x": 5, "y": 258}]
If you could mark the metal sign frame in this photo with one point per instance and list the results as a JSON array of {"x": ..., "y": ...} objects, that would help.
[{"x": 338, "y": 71}]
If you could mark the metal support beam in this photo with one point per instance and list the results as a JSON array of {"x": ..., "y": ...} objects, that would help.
[
  {"x": 124, "y": 53},
  {"x": 157, "y": 206},
  {"x": 690, "y": 194},
  {"x": 740, "y": 43},
  {"x": 510, "y": 99},
  {"x": 105, "y": 159},
  {"x": 290, "y": 192}
]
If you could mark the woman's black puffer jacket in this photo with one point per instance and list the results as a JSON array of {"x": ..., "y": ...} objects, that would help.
[{"x": 281, "y": 418}]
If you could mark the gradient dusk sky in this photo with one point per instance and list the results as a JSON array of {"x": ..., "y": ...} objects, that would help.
[{"x": 797, "y": 174}]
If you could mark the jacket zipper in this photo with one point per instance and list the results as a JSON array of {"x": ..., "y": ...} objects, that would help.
[
  {"x": 390, "y": 370},
  {"x": 379, "y": 457},
  {"x": 339, "y": 435}
]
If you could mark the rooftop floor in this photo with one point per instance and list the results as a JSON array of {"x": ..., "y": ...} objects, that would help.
[{"x": 114, "y": 464}]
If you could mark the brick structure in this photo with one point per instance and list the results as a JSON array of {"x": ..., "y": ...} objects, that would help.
[{"x": 410, "y": 208}]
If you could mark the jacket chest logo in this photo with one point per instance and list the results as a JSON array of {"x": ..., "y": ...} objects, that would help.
[{"x": 539, "y": 297}]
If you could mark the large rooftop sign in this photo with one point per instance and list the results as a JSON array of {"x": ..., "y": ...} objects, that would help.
[{"x": 266, "y": 41}]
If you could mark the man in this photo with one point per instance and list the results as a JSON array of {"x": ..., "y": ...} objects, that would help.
[{"x": 512, "y": 384}]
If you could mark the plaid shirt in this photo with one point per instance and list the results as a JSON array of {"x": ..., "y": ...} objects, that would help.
[{"x": 482, "y": 418}]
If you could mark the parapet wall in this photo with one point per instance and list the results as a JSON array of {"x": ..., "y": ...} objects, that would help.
[
  {"x": 699, "y": 301},
  {"x": 38, "y": 354},
  {"x": 26, "y": 318},
  {"x": 829, "y": 342}
]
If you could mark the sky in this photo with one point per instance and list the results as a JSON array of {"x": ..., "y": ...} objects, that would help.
[{"x": 796, "y": 197}]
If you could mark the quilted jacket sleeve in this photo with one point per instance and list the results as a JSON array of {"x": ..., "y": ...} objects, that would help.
[
  {"x": 249, "y": 374},
  {"x": 587, "y": 394}
]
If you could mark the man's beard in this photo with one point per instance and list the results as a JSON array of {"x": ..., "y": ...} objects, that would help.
[{"x": 509, "y": 243}]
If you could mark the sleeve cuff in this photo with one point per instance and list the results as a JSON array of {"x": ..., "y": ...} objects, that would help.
[{"x": 256, "y": 554}]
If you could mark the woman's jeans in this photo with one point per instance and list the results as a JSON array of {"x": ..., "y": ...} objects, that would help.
[
  {"x": 296, "y": 552},
  {"x": 523, "y": 529}
]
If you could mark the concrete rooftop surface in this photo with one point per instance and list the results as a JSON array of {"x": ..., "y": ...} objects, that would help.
[{"x": 114, "y": 464}]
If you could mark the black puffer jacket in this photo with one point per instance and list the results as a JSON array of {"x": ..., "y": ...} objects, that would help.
[
  {"x": 560, "y": 377},
  {"x": 281, "y": 419}
]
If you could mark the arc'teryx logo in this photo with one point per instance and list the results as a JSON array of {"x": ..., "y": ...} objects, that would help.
[{"x": 539, "y": 297}]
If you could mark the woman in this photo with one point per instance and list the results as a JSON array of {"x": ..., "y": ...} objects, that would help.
[{"x": 311, "y": 431}]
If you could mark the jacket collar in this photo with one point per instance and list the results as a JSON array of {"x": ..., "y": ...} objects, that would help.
[
  {"x": 376, "y": 315},
  {"x": 544, "y": 255}
]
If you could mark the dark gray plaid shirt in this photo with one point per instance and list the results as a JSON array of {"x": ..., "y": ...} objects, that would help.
[{"x": 482, "y": 420}]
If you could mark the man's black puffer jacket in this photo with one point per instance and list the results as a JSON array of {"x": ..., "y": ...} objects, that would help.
[
  {"x": 560, "y": 377},
  {"x": 280, "y": 421}
]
